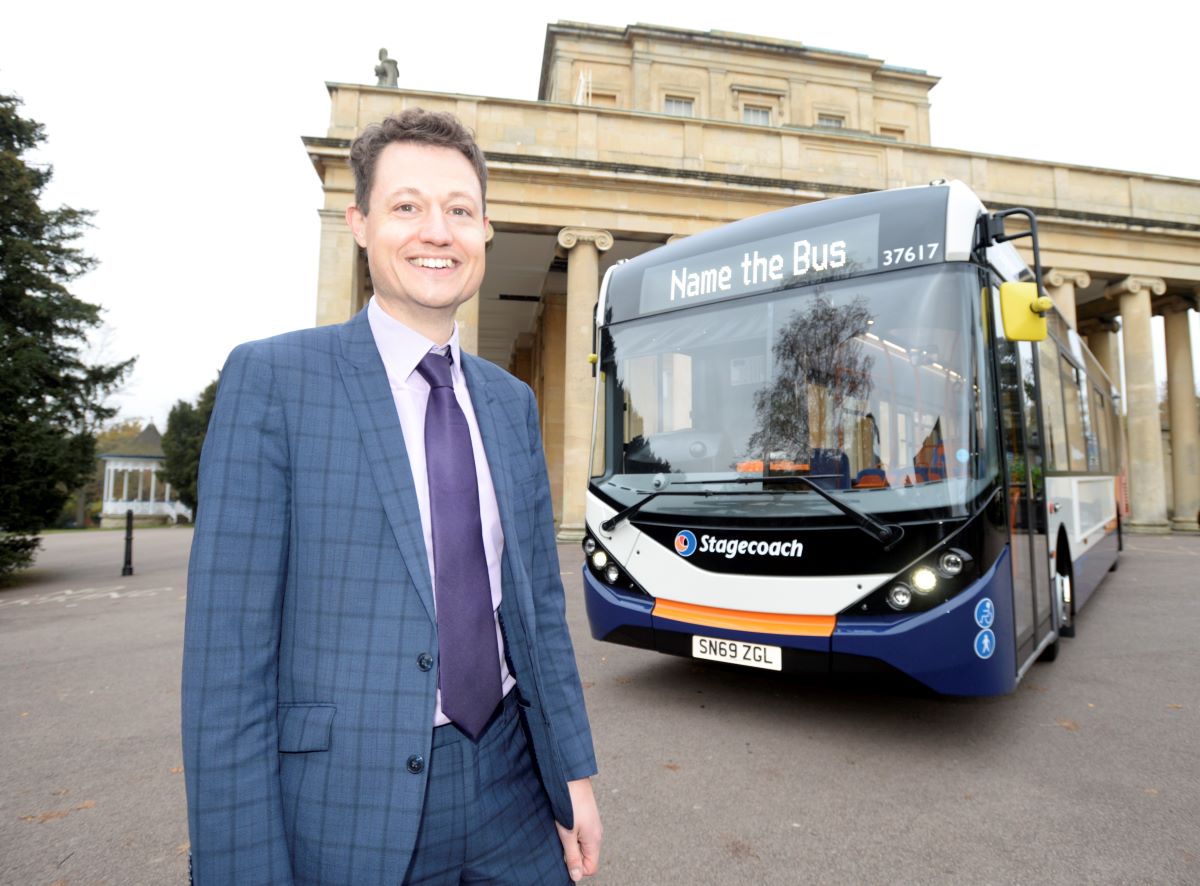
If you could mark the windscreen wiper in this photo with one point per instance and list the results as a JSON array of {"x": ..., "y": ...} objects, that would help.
[
  {"x": 611, "y": 523},
  {"x": 887, "y": 534}
]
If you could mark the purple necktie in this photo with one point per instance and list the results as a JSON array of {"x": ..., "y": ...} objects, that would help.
[{"x": 469, "y": 668}]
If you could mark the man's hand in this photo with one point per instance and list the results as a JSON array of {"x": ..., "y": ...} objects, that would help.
[{"x": 581, "y": 844}]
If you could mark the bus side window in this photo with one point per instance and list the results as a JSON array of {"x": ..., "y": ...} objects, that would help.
[
  {"x": 1072, "y": 398},
  {"x": 1100, "y": 421},
  {"x": 1052, "y": 404},
  {"x": 1089, "y": 425}
]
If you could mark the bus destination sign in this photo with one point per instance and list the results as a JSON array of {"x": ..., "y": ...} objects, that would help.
[{"x": 833, "y": 250}]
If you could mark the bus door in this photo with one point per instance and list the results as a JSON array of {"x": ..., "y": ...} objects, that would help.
[{"x": 1026, "y": 490}]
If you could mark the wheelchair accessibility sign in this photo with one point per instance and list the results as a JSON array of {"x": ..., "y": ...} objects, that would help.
[{"x": 985, "y": 613}]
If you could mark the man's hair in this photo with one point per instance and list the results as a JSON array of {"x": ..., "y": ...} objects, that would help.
[{"x": 412, "y": 125}]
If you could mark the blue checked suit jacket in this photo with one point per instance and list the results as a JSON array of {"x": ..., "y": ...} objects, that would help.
[{"x": 310, "y": 604}]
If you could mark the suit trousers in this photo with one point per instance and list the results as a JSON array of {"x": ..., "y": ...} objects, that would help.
[{"x": 486, "y": 818}]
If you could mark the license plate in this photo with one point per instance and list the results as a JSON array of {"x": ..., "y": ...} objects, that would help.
[{"x": 754, "y": 655}]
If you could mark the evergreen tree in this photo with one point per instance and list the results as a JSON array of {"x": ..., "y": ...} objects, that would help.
[
  {"x": 182, "y": 441},
  {"x": 51, "y": 400}
]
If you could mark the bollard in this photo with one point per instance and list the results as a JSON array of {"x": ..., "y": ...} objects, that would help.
[{"x": 127, "y": 569}]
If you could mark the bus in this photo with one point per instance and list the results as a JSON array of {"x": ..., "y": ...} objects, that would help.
[{"x": 850, "y": 436}]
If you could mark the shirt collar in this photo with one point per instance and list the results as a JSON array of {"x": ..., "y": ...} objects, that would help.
[{"x": 403, "y": 348}]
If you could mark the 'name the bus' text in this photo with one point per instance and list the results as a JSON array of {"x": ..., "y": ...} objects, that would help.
[{"x": 757, "y": 269}]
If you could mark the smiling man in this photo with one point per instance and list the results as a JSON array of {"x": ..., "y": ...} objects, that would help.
[{"x": 378, "y": 682}]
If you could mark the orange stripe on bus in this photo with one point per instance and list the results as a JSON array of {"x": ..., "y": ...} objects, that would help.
[{"x": 737, "y": 620}]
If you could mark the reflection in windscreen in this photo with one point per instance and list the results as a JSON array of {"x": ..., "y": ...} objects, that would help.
[{"x": 859, "y": 385}]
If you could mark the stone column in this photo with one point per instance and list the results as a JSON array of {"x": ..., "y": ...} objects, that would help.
[
  {"x": 1061, "y": 284},
  {"x": 338, "y": 277},
  {"x": 552, "y": 390},
  {"x": 1103, "y": 343},
  {"x": 107, "y": 483},
  {"x": 1147, "y": 486},
  {"x": 583, "y": 246},
  {"x": 1185, "y": 426},
  {"x": 522, "y": 361},
  {"x": 467, "y": 315},
  {"x": 124, "y": 485}
]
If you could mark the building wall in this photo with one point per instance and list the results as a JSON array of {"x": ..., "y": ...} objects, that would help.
[{"x": 639, "y": 67}]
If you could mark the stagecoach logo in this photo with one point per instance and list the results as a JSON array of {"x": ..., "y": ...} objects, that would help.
[{"x": 686, "y": 545}]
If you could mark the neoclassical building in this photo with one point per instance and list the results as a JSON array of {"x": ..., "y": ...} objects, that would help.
[{"x": 645, "y": 133}]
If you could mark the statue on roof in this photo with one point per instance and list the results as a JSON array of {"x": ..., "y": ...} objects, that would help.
[{"x": 387, "y": 71}]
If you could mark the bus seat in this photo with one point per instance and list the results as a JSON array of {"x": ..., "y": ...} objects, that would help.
[
  {"x": 830, "y": 468},
  {"x": 871, "y": 478}
]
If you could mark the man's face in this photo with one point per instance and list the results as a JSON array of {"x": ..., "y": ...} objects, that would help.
[{"x": 425, "y": 232}]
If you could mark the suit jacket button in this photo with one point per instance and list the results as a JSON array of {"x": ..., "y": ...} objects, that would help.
[
  {"x": 425, "y": 661},
  {"x": 416, "y": 764}
]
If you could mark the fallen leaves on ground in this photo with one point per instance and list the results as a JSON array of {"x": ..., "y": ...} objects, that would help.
[
  {"x": 674, "y": 767},
  {"x": 54, "y": 814},
  {"x": 176, "y": 770},
  {"x": 1069, "y": 725},
  {"x": 184, "y": 848}
]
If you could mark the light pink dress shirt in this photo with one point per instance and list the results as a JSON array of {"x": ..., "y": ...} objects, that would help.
[{"x": 402, "y": 349}]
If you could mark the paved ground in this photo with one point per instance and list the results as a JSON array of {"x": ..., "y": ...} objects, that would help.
[{"x": 1088, "y": 773}]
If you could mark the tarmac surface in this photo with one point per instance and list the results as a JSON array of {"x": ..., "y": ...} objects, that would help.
[{"x": 710, "y": 774}]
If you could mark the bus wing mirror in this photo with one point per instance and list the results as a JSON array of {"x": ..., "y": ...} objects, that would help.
[{"x": 1023, "y": 311}]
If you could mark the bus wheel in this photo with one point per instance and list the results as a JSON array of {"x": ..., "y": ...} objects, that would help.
[{"x": 1051, "y": 652}]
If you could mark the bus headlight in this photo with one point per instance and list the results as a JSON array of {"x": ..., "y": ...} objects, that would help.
[
  {"x": 612, "y": 573},
  {"x": 951, "y": 563},
  {"x": 924, "y": 580},
  {"x": 899, "y": 596},
  {"x": 599, "y": 559},
  {"x": 589, "y": 546}
]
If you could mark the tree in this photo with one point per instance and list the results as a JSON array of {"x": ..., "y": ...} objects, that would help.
[
  {"x": 820, "y": 366},
  {"x": 51, "y": 400},
  {"x": 187, "y": 426}
]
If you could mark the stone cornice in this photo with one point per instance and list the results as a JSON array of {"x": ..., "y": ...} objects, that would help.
[{"x": 325, "y": 150}]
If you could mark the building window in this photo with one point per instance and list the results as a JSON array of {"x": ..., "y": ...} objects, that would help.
[
  {"x": 831, "y": 121},
  {"x": 677, "y": 106},
  {"x": 895, "y": 133},
  {"x": 756, "y": 115},
  {"x": 604, "y": 99}
]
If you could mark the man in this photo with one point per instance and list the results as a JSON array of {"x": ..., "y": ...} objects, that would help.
[{"x": 378, "y": 682}]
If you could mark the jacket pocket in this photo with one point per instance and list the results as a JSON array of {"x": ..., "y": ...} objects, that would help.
[{"x": 305, "y": 727}]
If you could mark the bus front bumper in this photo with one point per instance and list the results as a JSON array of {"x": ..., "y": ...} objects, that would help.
[{"x": 954, "y": 649}]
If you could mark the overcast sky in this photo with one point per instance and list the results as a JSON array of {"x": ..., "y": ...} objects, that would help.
[{"x": 181, "y": 126}]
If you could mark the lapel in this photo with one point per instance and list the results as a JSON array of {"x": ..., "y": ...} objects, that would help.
[
  {"x": 499, "y": 441},
  {"x": 374, "y": 408}
]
